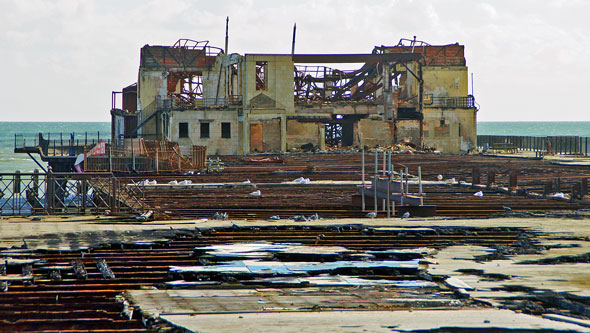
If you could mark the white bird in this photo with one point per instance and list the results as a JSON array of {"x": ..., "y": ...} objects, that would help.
[
  {"x": 223, "y": 216},
  {"x": 300, "y": 218},
  {"x": 371, "y": 215},
  {"x": 215, "y": 216},
  {"x": 247, "y": 181},
  {"x": 314, "y": 217},
  {"x": 256, "y": 193},
  {"x": 478, "y": 194},
  {"x": 275, "y": 218},
  {"x": 405, "y": 215},
  {"x": 439, "y": 177}
]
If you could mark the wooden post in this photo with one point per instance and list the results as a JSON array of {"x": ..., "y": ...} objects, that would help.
[
  {"x": 157, "y": 160},
  {"x": 475, "y": 176},
  {"x": 85, "y": 152},
  {"x": 513, "y": 180}
]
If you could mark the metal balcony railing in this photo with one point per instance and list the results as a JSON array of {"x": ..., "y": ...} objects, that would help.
[{"x": 466, "y": 102}]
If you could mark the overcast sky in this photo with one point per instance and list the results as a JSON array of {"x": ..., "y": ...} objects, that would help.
[{"x": 60, "y": 60}]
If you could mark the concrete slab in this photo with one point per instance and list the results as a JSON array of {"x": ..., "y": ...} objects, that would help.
[{"x": 369, "y": 321}]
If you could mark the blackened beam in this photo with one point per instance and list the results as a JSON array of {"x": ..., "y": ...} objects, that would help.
[{"x": 356, "y": 58}]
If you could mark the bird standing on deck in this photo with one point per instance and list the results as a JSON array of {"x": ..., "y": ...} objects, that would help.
[{"x": 371, "y": 215}]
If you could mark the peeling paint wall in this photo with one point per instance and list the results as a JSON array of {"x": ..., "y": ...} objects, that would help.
[
  {"x": 373, "y": 132},
  {"x": 450, "y": 131},
  {"x": 445, "y": 81},
  {"x": 150, "y": 84},
  {"x": 408, "y": 131},
  {"x": 300, "y": 133}
]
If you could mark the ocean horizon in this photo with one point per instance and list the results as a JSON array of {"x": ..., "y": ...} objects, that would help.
[{"x": 10, "y": 162}]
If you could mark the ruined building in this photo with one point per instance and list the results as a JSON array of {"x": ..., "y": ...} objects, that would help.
[{"x": 196, "y": 94}]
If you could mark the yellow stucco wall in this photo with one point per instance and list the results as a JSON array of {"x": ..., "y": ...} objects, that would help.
[
  {"x": 445, "y": 81},
  {"x": 450, "y": 130}
]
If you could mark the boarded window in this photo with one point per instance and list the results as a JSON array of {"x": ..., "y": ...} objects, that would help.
[
  {"x": 204, "y": 130},
  {"x": 261, "y": 69},
  {"x": 226, "y": 130},
  {"x": 183, "y": 130}
]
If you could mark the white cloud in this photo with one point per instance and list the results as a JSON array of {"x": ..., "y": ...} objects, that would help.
[{"x": 61, "y": 59}]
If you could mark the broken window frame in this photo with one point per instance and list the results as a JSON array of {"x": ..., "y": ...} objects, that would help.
[{"x": 261, "y": 75}]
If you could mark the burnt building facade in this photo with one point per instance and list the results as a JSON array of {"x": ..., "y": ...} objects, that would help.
[{"x": 196, "y": 94}]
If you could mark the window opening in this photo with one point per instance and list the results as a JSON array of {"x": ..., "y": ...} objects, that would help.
[
  {"x": 226, "y": 130},
  {"x": 204, "y": 130},
  {"x": 183, "y": 130},
  {"x": 261, "y": 69}
]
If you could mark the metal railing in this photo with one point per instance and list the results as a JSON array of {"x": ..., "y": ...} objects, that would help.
[
  {"x": 560, "y": 145},
  {"x": 59, "y": 144},
  {"x": 449, "y": 102},
  {"x": 67, "y": 193},
  {"x": 180, "y": 102},
  {"x": 147, "y": 160}
]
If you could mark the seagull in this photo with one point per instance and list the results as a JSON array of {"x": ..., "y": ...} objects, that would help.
[
  {"x": 314, "y": 217},
  {"x": 216, "y": 216},
  {"x": 223, "y": 216},
  {"x": 406, "y": 215},
  {"x": 247, "y": 181},
  {"x": 300, "y": 218},
  {"x": 507, "y": 209},
  {"x": 478, "y": 194},
  {"x": 439, "y": 177},
  {"x": 275, "y": 218},
  {"x": 256, "y": 193},
  {"x": 371, "y": 215}
]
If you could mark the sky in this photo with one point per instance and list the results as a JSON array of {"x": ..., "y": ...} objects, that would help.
[{"x": 60, "y": 60}]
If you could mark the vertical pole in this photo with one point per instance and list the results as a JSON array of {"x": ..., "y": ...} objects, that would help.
[
  {"x": 110, "y": 158},
  {"x": 84, "y": 194},
  {"x": 49, "y": 190},
  {"x": 388, "y": 194},
  {"x": 61, "y": 144},
  {"x": 293, "y": 43},
  {"x": 375, "y": 181},
  {"x": 419, "y": 180},
  {"x": 226, "y": 33},
  {"x": 389, "y": 166},
  {"x": 407, "y": 185},
  {"x": 383, "y": 202},
  {"x": 384, "y": 155},
  {"x": 363, "y": 178}
]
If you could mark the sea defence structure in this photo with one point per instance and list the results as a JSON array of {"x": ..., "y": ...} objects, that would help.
[{"x": 199, "y": 95}]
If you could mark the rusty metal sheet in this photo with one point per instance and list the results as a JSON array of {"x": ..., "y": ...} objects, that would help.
[{"x": 256, "y": 144}]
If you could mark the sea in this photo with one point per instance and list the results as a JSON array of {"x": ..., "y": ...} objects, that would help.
[{"x": 10, "y": 162}]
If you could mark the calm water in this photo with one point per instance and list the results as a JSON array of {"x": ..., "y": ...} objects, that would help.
[
  {"x": 534, "y": 128},
  {"x": 9, "y": 162}
]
